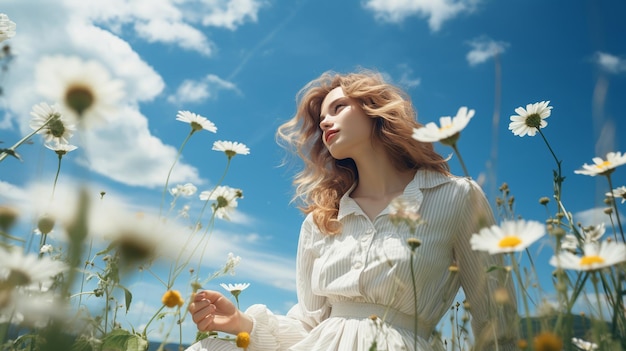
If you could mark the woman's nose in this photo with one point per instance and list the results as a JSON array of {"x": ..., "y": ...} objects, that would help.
[{"x": 325, "y": 123}]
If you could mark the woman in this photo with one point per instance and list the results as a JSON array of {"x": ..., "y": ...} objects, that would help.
[{"x": 355, "y": 284}]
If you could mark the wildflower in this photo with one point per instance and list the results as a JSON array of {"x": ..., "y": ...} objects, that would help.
[
  {"x": 595, "y": 256},
  {"x": 618, "y": 192},
  {"x": 584, "y": 345},
  {"x": 225, "y": 200},
  {"x": 235, "y": 289},
  {"x": 172, "y": 298},
  {"x": 231, "y": 148},
  {"x": 84, "y": 89},
  {"x": 530, "y": 120},
  {"x": 231, "y": 262},
  {"x": 45, "y": 224},
  {"x": 61, "y": 149},
  {"x": 510, "y": 236},
  {"x": 197, "y": 122},
  {"x": 184, "y": 190},
  {"x": 7, "y": 27},
  {"x": 547, "y": 341},
  {"x": 243, "y": 340},
  {"x": 402, "y": 211},
  {"x": 603, "y": 167},
  {"x": 28, "y": 270},
  {"x": 31, "y": 308},
  {"x": 449, "y": 131},
  {"x": 414, "y": 243},
  {"x": 51, "y": 123},
  {"x": 46, "y": 248},
  {"x": 8, "y": 216}
]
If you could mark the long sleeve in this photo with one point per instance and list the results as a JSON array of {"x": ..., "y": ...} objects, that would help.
[
  {"x": 274, "y": 332},
  {"x": 491, "y": 321}
]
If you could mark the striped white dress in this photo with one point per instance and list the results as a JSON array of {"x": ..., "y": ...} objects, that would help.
[{"x": 344, "y": 279}]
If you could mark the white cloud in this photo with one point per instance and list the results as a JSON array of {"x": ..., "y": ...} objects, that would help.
[
  {"x": 437, "y": 11},
  {"x": 230, "y": 14},
  {"x": 483, "y": 49},
  {"x": 405, "y": 79},
  {"x": 124, "y": 150},
  {"x": 195, "y": 91},
  {"x": 610, "y": 63}
]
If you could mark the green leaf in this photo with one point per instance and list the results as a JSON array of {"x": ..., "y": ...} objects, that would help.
[
  {"x": 122, "y": 340},
  {"x": 128, "y": 297}
]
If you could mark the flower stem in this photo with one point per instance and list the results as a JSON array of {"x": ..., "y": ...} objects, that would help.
[
  {"x": 558, "y": 178},
  {"x": 458, "y": 154},
  {"x": 518, "y": 275},
  {"x": 169, "y": 173},
  {"x": 4, "y": 153},
  {"x": 414, "y": 300},
  {"x": 619, "y": 222}
]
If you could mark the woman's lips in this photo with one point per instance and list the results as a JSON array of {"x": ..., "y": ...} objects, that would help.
[{"x": 330, "y": 134}]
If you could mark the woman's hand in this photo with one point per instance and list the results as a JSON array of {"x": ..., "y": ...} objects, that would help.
[{"x": 212, "y": 311}]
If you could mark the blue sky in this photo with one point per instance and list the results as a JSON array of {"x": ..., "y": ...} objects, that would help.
[{"x": 240, "y": 63}]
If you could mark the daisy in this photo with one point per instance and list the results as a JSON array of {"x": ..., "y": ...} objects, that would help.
[
  {"x": 603, "y": 167},
  {"x": 235, "y": 289},
  {"x": 225, "y": 200},
  {"x": 401, "y": 211},
  {"x": 197, "y": 122},
  {"x": 595, "y": 256},
  {"x": 618, "y": 192},
  {"x": 7, "y": 27},
  {"x": 61, "y": 149},
  {"x": 584, "y": 345},
  {"x": 31, "y": 308},
  {"x": 231, "y": 148},
  {"x": 50, "y": 123},
  {"x": 84, "y": 89},
  {"x": 184, "y": 190},
  {"x": 28, "y": 270},
  {"x": 449, "y": 131},
  {"x": 530, "y": 120},
  {"x": 591, "y": 234},
  {"x": 231, "y": 262},
  {"x": 510, "y": 236}
]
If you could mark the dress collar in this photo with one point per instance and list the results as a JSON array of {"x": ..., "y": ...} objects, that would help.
[{"x": 424, "y": 179}]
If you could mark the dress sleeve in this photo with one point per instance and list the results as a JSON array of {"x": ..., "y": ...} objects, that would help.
[
  {"x": 275, "y": 332},
  {"x": 492, "y": 322}
]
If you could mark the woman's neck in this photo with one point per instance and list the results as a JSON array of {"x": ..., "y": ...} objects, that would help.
[{"x": 379, "y": 178}]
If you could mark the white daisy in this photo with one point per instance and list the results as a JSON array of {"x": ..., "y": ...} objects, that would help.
[
  {"x": 28, "y": 270},
  {"x": 584, "y": 345},
  {"x": 7, "y": 27},
  {"x": 31, "y": 308},
  {"x": 52, "y": 125},
  {"x": 231, "y": 148},
  {"x": 61, "y": 149},
  {"x": 197, "y": 122},
  {"x": 618, "y": 192},
  {"x": 232, "y": 288},
  {"x": 225, "y": 200},
  {"x": 529, "y": 120},
  {"x": 590, "y": 234},
  {"x": 595, "y": 256},
  {"x": 603, "y": 167},
  {"x": 184, "y": 190},
  {"x": 510, "y": 236},
  {"x": 231, "y": 263},
  {"x": 448, "y": 132},
  {"x": 84, "y": 89}
]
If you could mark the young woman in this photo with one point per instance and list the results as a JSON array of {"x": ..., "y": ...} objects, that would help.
[{"x": 355, "y": 284}]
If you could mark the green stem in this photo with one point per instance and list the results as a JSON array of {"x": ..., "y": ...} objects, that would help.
[
  {"x": 558, "y": 178},
  {"x": 619, "y": 222},
  {"x": 145, "y": 329},
  {"x": 4, "y": 154},
  {"x": 520, "y": 282},
  {"x": 169, "y": 173},
  {"x": 458, "y": 154},
  {"x": 414, "y": 300}
]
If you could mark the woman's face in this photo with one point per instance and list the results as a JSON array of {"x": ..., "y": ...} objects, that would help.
[{"x": 346, "y": 129}]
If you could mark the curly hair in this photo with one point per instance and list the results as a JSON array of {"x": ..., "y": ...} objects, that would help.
[{"x": 324, "y": 180}]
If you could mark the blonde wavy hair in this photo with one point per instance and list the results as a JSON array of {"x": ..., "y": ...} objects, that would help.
[{"x": 324, "y": 180}]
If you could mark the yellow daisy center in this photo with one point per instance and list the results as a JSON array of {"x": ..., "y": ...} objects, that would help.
[
  {"x": 603, "y": 165},
  {"x": 589, "y": 260},
  {"x": 509, "y": 241}
]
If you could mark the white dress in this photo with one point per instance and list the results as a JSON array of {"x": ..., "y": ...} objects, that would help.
[{"x": 345, "y": 279}]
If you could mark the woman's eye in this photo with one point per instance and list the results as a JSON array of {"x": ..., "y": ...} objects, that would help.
[{"x": 338, "y": 107}]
